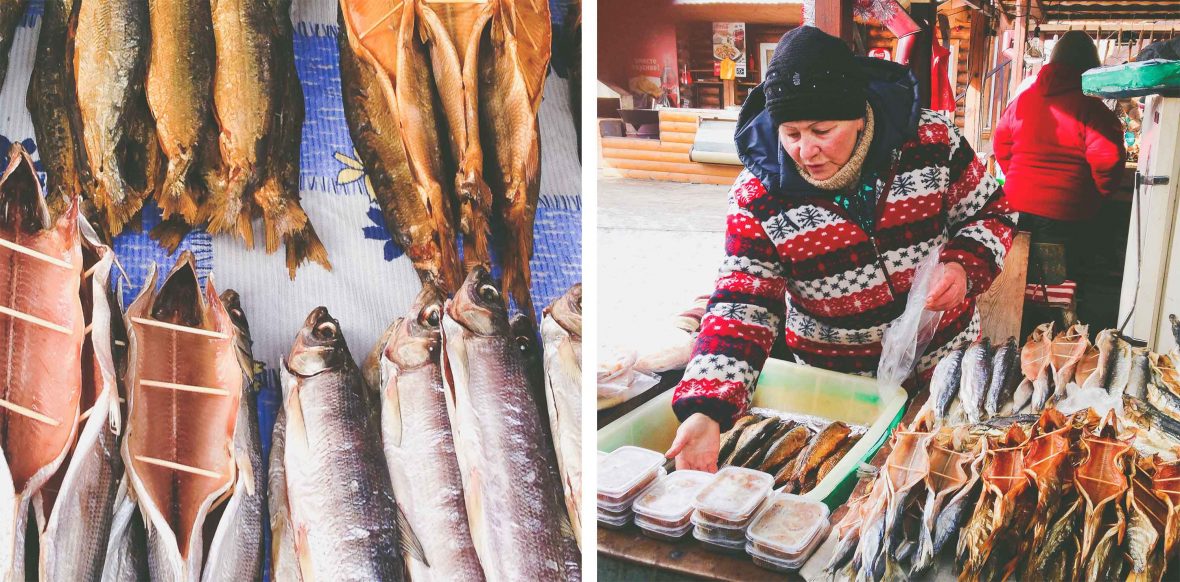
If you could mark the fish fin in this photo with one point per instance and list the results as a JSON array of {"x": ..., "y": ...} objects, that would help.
[
  {"x": 245, "y": 471},
  {"x": 170, "y": 233},
  {"x": 303, "y": 554},
  {"x": 303, "y": 246},
  {"x": 391, "y": 413},
  {"x": 409, "y": 541}
]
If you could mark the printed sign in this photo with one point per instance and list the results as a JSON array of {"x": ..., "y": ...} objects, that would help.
[{"x": 729, "y": 42}]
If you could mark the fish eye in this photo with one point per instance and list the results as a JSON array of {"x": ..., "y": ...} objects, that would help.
[
  {"x": 325, "y": 330},
  {"x": 489, "y": 293},
  {"x": 430, "y": 315}
]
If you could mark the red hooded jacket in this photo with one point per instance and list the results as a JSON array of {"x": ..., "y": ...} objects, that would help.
[{"x": 1060, "y": 150}]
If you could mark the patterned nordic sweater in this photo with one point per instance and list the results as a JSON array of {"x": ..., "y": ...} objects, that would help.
[{"x": 838, "y": 287}]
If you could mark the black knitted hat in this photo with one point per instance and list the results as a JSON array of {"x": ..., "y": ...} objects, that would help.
[{"x": 813, "y": 76}]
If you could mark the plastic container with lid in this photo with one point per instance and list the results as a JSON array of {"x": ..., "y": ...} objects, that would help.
[
  {"x": 624, "y": 473},
  {"x": 769, "y": 562},
  {"x": 627, "y": 505},
  {"x": 614, "y": 521},
  {"x": 717, "y": 545},
  {"x": 721, "y": 534},
  {"x": 667, "y": 504},
  {"x": 787, "y": 525},
  {"x": 659, "y": 532},
  {"x": 733, "y": 495}
]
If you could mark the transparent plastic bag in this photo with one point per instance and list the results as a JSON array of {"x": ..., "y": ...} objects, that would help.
[
  {"x": 906, "y": 338},
  {"x": 618, "y": 378}
]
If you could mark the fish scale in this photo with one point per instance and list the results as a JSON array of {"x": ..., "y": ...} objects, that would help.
[{"x": 944, "y": 383}]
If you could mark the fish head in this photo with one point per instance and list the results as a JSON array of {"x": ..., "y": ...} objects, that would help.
[
  {"x": 567, "y": 311},
  {"x": 479, "y": 305},
  {"x": 22, "y": 205},
  {"x": 319, "y": 346},
  {"x": 415, "y": 343},
  {"x": 179, "y": 300},
  {"x": 237, "y": 315}
]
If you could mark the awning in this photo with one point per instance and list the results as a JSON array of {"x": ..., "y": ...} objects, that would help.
[{"x": 788, "y": 12}]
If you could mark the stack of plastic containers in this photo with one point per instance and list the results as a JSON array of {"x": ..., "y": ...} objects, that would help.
[
  {"x": 725, "y": 506},
  {"x": 664, "y": 511},
  {"x": 622, "y": 476},
  {"x": 787, "y": 530}
]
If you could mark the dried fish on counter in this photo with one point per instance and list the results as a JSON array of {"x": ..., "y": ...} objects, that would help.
[
  {"x": 419, "y": 448},
  {"x": 184, "y": 378},
  {"x": 1036, "y": 360},
  {"x": 344, "y": 519},
  {"x": 53, "y": 104},
  {"x": 43, "y": 323},
  {"x": 109, "y": 57},
  {"x": 485, "y": 370},
  {"x": 401, "y": 157},
  {"x": 561, "y": 333},
  {"x": 513, "y": 63}
]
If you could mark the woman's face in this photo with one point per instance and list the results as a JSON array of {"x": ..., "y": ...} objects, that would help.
[{"x": 820, "y": 147}]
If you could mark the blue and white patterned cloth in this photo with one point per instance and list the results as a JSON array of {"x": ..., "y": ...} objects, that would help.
[{"x": 372, "y": 282}]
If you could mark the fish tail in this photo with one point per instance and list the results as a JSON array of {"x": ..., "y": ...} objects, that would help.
[
  {"x": 169, "y": 233},
  {"x": 281, "y": 215},
  {"x": 226, "y": 204},
  {"x": 517, "y": 277},
  {"x": 304, "y": 246},
  {"x": 475, "y": 200},
  {"x": 175, "y": 195}
]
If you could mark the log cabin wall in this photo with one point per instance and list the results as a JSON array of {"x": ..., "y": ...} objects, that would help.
[{"x": 666, "y": 158}]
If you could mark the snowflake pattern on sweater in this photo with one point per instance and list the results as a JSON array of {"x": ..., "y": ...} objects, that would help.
[{"x": 803, "y": 262}]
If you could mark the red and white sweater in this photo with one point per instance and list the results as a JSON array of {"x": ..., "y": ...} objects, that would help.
[{"x": 804, "y": 257}]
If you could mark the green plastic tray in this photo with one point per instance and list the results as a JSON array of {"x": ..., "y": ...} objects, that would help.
[
  {"x": 786, "y": 387},
  {"x": 1133, "y": 79}
]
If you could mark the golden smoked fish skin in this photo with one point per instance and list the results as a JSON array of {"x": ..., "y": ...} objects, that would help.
[
  {"x": 109, "y": 54},
  {"x": 419, "y": 223},
  {"x": 53, "y": 104},
  {"x": 179, "y": 87},
  {"x": 514, "y": 60},
  {"x": 43, "y": 329}
]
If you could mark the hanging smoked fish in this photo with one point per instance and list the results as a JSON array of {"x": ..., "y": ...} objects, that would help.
[
  {"x": 452, "y": 32},
  {"x": 389, "y": 101},
  {"x": 513, "y": 62},
  {"x": 43, "y": 328},
  {"x": 185, "y": 384}
]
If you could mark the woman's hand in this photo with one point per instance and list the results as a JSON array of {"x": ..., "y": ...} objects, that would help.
[
  {"x": 696, "y": 445},
  {"x": 949, "y": 290}
]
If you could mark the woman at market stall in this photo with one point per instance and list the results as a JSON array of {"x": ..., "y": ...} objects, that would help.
[
  {"x": 848, "y": 183},
  {"x": 1062, "y": 153}
]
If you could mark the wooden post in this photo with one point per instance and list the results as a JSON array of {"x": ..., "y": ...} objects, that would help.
[
  {"x": 835, "y": 18},
  {"x": 728, "y": 93},
  {"x": 1021, "y": 29},
  {"x": 977, "y": 53}
]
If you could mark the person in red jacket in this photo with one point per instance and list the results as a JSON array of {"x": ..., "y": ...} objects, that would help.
[{"x": 1061, "y": 151}]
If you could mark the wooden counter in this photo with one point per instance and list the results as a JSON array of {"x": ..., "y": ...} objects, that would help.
[{"x": 666, "y": 158}]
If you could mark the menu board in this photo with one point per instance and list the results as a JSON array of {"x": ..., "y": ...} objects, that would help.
[{"x": 729, "y": 42}]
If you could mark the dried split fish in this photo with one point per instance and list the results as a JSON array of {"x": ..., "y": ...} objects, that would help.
[
  {"x": 1003, "y": 482},
  {"x": 401, "y": 156},
  {"x": 1036, "y": 358},
  {"x": 1147, "y": 519},
  {"x": 185, "y": 385},
  {"x": 42, "y": 321},
  {"x": 905, "y": 468},
  {"x": 947, "y": 475},
  {"x": 1101, "y": 478},
  {"x": 73, "y": 535},
  {"x": 1068, "y": 348},
  {"x": 513, "y": 63}
]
